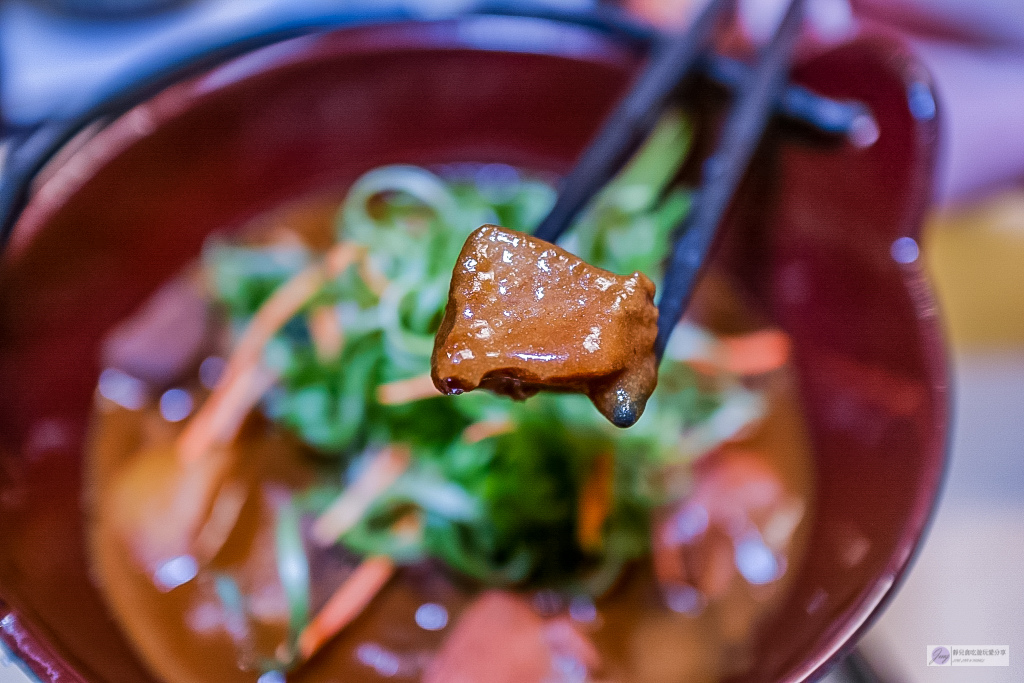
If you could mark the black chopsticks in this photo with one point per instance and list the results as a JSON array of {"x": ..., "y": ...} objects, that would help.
[
  {"x": 759, "y": 91},
  {"x": 630, "y": 122},
  {"x": 722, "y": 171}
]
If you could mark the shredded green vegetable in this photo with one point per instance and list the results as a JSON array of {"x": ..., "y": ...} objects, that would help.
[
  {"x": 503, "y": 510},
  {"x": 292, "y": 568}
]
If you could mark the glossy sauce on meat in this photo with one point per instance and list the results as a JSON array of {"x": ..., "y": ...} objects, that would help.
[
  {"x": 643, "y": 630},
  {"x": 524, "y": 315}
]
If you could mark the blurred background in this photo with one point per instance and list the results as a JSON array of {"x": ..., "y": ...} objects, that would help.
[{"x": 968, "y": 583}]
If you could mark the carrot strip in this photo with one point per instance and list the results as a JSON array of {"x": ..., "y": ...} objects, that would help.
[
  {"x": 409, "y": 526},
  {"x": 406, "y": 390},
  {"x": 244, "y": 382},
  {"x": 221, "y": 520},
  {"x": 755, "y": 353},
  {"x": 349, "y": 507},
  {"x": 283, "y": 236},
  {"x": 595, "y": 502},
  {"x": 373, "y": 278},
  {"x": 275, "y": 312},
  {"x": 478, "y": 431},
  {"x": 779, "y": 529},
  {"x": 347, "y": 603},
  {"x": 221, "y": 415},
  {"x": 325, "y": 330},
  {"x": 286, "y": 301},
  {"x": 342, "y": 255}
]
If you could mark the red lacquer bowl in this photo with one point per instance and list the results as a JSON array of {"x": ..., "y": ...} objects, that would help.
[{"x": 815, "y": 248}]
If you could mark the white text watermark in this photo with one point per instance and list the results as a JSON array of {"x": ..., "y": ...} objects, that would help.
[{"x": 968, "y": 655}]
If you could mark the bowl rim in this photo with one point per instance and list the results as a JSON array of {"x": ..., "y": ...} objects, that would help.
[
  {"x": 30, "y": 149},
  {"x": 28, "y": 640}
]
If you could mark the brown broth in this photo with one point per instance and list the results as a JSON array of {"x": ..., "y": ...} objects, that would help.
[{"x": 183, "y": 635}]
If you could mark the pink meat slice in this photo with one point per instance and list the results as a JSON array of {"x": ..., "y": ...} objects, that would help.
[
  {"x": 500, "y": 639},
  {"x": 164, "y": 338}
]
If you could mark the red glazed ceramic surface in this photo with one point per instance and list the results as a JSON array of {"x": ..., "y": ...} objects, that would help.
[{"x": 817, "y": 242}]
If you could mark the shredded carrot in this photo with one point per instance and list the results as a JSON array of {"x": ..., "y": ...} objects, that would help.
[
  {"x": 406, "y": 390},
  {"x": 478, "y": 431},
  {"x": 373, "y": 278},
  {"x": 283, "y": 236},
  {"x": 755, "y": 353},
  {"x": 409, "y": 526},
  {"x": 326, "y": 332},
  {"x": 347, "y": 509},
  {"x": 342, "y": 255},
  {"x": 221, "y": 521},
  {"x": 244, "y": 381},
  {"x": 221, "y": 415},
  {"x": 779, "y": 528},
  {"x": 286, "y": 301},
  {"x": 275, "y": 312},
  {"x": 347, "y": 603},
  {"x": 595, "y": 502}
]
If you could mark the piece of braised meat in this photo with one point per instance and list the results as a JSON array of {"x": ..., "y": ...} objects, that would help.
[
  {"x": 164, "y": 338},
  {"x": 525, "y": 315}
]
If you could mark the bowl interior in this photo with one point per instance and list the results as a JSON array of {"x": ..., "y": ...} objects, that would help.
[{"x": 813, "y": 244}]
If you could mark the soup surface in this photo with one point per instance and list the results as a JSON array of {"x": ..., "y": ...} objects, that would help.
[{"x": 268, "y": 552}]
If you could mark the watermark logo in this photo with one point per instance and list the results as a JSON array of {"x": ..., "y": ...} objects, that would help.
[{"x": 968, "y": 655}]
